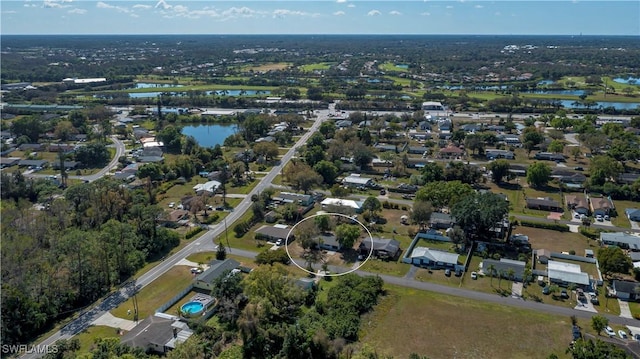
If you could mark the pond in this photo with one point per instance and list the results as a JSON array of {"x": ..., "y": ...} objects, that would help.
[
  {"x": 210, "y": 135},
  {"x": 545, "y": 82},
  {"x": 559, "y": 92},
  {"x": 402, "y": 66},
  {"x": 629, "y": 80}
]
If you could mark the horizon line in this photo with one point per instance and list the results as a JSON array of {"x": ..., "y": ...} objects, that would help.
[{"x": 309, "y": 34}]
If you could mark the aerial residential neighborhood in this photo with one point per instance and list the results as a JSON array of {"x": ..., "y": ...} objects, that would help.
[{"x": 319, "y": 198}]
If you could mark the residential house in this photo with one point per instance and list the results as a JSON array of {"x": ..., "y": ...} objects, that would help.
[
  {"x": 445, "y": 125},
  {"x": 440, "y": 220},
  {"x": 5, "y": 135},
  {"x": 31, "y": 147},
  {"x": 9, "y": 161},
  {"x": 158, "y": 333},
  {"x": 266, "y": 139},
  {"x": 471, "y": 127},
  {"x": 344, "y": 124},
  {"x": 275, "y": 233},
  {"x": 623, "y": 240},
  {"x": 209, "y": 187},
  {"x": 419, "y": 135},
  {"x": 297, "y": 198},
  {"x": 356, "y": 180},
  {"x": 80, "y": 137},
  {"x": 385, "y": 147},
  {"x": 495, "y": 128},
  {"x": 543, "y": 255},
  {"x": 626, "y": 290},
  {"x": 509, "y": 140},
  {"x": 518, "y": 170},
  {"x": 600, "y": 206},
  {"x": 245, "y": 156},
  {"x": 451, "y": 151},
  {"x": 571, "y": 179},
  {"x": 151, "y": 159},
  {"x": 329, "y": 242},
  {"x": 151, "y": 151},
  {"x": 628, "y": 178},
  {"x": 418, "y": 150},
  {"x": 565, "y": 274},
  {"x": 342, "y": 204},
  {"x": 177, "y": 217},
  {"x": 433, "y": 258},
  {"x": 216, "y": 269},
  {"x": 633, "y": 214},
  {"x": 61, "y": 147},
  {"x": 433, "y": 106},
  {"x": 544, "y": 204},
  {"x": 503, "y": 268},
  {"x": 33, "y": 163},
  {"x": 380, "y": 248},
  {"x": 424, "y": 126},
  {"x": 493, "y": 154},
  {"x": 548, "y": 156},
  {"x": 377, "y": 162},
  {"x": 577, "y": 203},
  {"x": 69, "y": 165}
]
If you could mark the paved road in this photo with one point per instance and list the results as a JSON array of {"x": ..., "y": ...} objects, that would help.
[
  {"x": 202, "y": 243},
  {"x": 120, "y": 148}
]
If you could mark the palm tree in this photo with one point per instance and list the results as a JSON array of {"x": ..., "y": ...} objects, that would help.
[
  {"x": 501, "y": 274},
  {"x": 511, "y": 273},
  {"x": 571, "y": 288},
  {"x": 492, "y": 269}
]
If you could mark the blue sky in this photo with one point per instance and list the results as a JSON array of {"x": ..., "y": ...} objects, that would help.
[{"x": 547, "y": 17}]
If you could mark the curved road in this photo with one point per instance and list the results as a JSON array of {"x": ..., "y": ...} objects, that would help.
[{"x": 203, "y": 242}]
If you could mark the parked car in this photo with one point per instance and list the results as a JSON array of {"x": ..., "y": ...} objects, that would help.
[
  {"x": 458, "y": 273},
  {"x": 383, "y": 192},
  {"x": 172, "y": 204},
  {"x": 545, "y": 290},
  {"x": 609, "y": 331},
  {"x": 606, "y": 217},
  {"x": 564, "y": 294},
  {"x": 578, "y": 168},
  {"x": 622, "y": 334},
  {"x": 474, "y": 275},
  {"x": 196, "y": 270},
  {"x": 595, "y": 300},
  {"x": 576, "y": 216},
  {"x": 447, "y": 272},
  {"x": 599, "y": 218}
]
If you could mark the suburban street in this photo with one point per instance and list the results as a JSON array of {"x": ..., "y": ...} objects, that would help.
[{"x": 204, "y": 242}]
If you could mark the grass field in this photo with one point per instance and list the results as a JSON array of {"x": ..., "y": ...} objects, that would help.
[
  {"x": 411, "y": 321},
  {"x": 390, "y": 66},
  {"x": 156, "y": 293},
  {"x": 89, "y": 335},
  {"x": 268, "y": 66},
  {"x": 318, "y": 66}
]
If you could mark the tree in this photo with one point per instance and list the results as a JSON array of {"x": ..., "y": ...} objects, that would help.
[
  {"x": 171, "y": 137},
  {"x": 93, "y": 155},
  {"x": 556, "y": 146},
  {"x": 432, "y": 172},
  {"x": 373, "y": 205},
  {"x": 589, "y": 349},
  {"x": 492, "y": 270},
  {"x": 613, "y": 260},
  {"x": 64, "y": 130},
  {"x": 327, "y": 170},
  {"x": 221, "y": 252},
  {"x": 477, "y": 213},
  {"x": 362, "y": 155},
  {"x": 575, "y": 151},
  {"x": 531, "y": 134},
  {"x": 603, "y": 169},
  {"x": 347, "y": 234},
  {"x": 421, "y": 213},
  {"x": 327, "y": 129},
  {"x": 474, "y": 142},
  {"x": 443, "y": 194},
  {"x": 29, "y": 126},
  {"x": 499, "y": 170},
  {"x": 267, "y": 149},
  {"x": 595, "y": 142},
  {"x": 301, "y": 176},
  {"x": 538, "y": 174},
  {"x": 323, "y": 223}
]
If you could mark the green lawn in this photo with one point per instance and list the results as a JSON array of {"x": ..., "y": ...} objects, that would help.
[
  {"x": 411, "y": 321},
  {"x": 88, "y": 336},
  {"x": 316, "y": 66},
  {"x": 397, "y": 268},
  {"x": 390, "y": 66},
  {"x": 156, "y": 293}
]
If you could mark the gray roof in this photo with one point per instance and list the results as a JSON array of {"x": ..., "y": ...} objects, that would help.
[
  {"x": 153, "y": 330},
  {"x": 274, "y": 232},
  {"x": 33, "y": 162},
  {"x": 150, "y": 159},
  {"x": 291, "y": 197},
  {"x": 440, "y": 217},
  {"x": 381, "y": 244},
  {"x": 503, "y": 266},
  {"x": 435, "y": 255},
  {"x": 329, "y": 240},
  {"x": 621, "y": 237},
  {"x": 216, "y": 269},
  {"x": 624, "y": 286}
]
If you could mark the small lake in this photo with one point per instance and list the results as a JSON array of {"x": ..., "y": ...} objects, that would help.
[
  {"x": 545, "y": 82},
  {"x": 210, "y": 135},
  {"x": 559, "y": 92},
  {"x": 629, "y": 80},
  {"x": 402, "y": 66},
  {"x": 616, "y": 105}
]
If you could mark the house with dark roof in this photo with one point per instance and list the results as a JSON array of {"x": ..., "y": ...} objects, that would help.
[
  {"x": 570, "y": 178},
  {"x": 61, "y": 147},
  {"x": 503, "y": 267},
  {"x": 600, "y": 206},
  {"x": 158, "y": 333},
  {"x": 34, "y": 163},
  {"x": 70, "y": 165},
  {"x": 216, "y": 268},
  {"x": 626, "y": 290},
  {"x": 9, "y": 161},
  {"x": 544, "y": 204},
  {"x": 384, "y": 147},
  {"x": 518, "y": 170},
  {"x": 151, "y": 159},
  {"x": 418, "y": 150},
  {"x": 175, "y": 218},
  {"x": 440, "y": 220},
  {"x": 628, "y": 178},
  {"x": 329, "y": 242},
  {"x": 451, "y": 151},
  {"x": 493, "y": 154},
  {"x": 274, "y": 233},
  {"x": 297, "y": 198},
  {"x": 543, "y": 255},
  {"x": 577, "y": 203},
  {"x": 382, "y": 248},
  {"x": 621, "y": 239},
  {"x": 31, "y": 147},
  {"x": 633, "y": 214}
]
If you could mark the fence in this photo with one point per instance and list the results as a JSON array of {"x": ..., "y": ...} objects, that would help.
[{"x": 175, "y": 299}]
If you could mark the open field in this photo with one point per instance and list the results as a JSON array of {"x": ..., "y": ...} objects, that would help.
[
  {"x": 316, "y": 66},
  {"x": 557, "y": 241},
  {"x": 389, "y": 66},
  {"x": 445, "y": 327},
  {"x": 156, "y": 293},
  {"x": 268, "y": 66},
  {"x": 89, "y": 335}
]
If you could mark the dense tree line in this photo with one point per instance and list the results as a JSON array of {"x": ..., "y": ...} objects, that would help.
[{"x": 78, "y": 248}]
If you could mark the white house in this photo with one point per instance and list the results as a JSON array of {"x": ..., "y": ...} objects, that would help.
[
  {"x": 564, "y": 274},
  {"x": 433, "y": 258},
  {"x": 356, "y": 180},
  {"x": 339, "y": 202},
  {"x": 210, "y": 187}
]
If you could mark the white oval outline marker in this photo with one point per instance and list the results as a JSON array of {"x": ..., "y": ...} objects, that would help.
[{"x": 286, "y": 244}]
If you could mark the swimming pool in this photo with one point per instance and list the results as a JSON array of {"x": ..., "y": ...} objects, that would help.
[{"x": 192, "y": 308}]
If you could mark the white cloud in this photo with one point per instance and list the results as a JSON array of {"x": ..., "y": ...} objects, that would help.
[
  {"x": 104, "y": 5},
  {"x": 341, "y": 1},
  {"x": 373, "y": 13},
  {"x": 239, "y": 12},
  {"x": 55, "y": 4},
  {"x": 338, "y": 13},
  {"x": 425, "y": 13},
  {"x": 30, "y": 5},
  {"x": 395, "y": 12},
  {"x": 77, "y": 11},
  {"x": 478, "y": 6},
  {"x": 163, "y": 5},
  {"x": 351, "y": 5},
  {"x": 449, "y": 7},
  {"x": 141, "y": 6},
  {"x": 286, "y": 12}
]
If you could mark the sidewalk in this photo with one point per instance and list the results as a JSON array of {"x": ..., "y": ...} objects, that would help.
[
  {"x": 114, "y": 322},
  {"x": 625, "y": 312}
]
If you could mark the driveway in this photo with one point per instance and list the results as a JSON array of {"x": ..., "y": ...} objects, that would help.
[{"x": 625, "y": 312}]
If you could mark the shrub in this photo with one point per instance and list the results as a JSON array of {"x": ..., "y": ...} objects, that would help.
[
  {"x": 590, "y": 233},
  {"x": 193, "y": 232},
  {"x": 211, "y": 218},
  {"x": 543, "y": 225}
]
